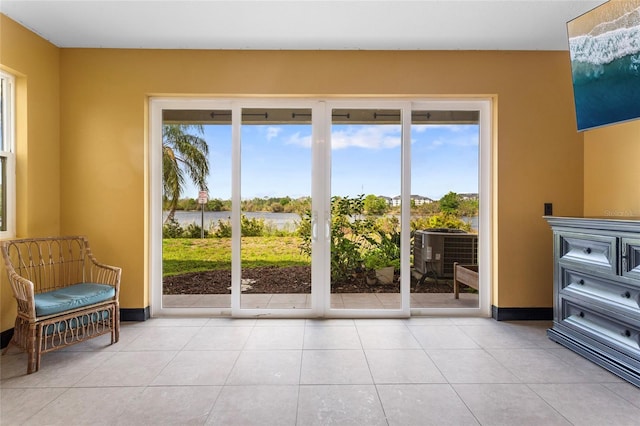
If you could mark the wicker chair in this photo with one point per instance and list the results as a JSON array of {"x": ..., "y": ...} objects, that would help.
[{"x": 64, "y": 295}]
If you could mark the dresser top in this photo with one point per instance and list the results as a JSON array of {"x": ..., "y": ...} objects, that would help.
[{"x": 612, "y": 223}]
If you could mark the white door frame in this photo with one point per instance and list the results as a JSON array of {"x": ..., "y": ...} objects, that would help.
[
  {"x": 485, "y": 194},
  {"x": 316, "y": 208},
  {"x": 404, "y": 107},
  {"x": 321, "y": 154}
]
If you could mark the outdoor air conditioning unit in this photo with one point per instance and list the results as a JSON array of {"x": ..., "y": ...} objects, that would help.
[{"x": 435, "y": 251}]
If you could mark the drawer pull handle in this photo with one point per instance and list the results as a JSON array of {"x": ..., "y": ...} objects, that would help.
[
  {"x": 627, "y": 295},
  {"x": 581, "y": 282},
  {"x": 587, "y": 250},
  {"x": 627, "y": 333}
]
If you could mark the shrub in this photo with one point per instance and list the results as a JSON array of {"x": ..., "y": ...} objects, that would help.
[
  {"x": 304, "y": 232},
  {"x": 444, "y": 220},
  {"x": 251, "y": 227},
  {"x": 194, "y": 231},
  {"x": 223, "y": 229},
  {"x": 271, "y": 230},
  {"x": 384, "y": 245},
  {"x": 172, "y": 229},
  {"x": 351, "y": 235}
]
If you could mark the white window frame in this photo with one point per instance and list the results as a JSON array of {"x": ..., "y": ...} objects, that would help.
[
  {"x": 322, "y": 163},
  {"x": 7, "y": 151}
]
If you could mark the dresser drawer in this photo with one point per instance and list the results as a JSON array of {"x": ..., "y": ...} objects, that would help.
[
  {"x": 600, "y": 290},
  {"x": 613, "y": 332},
  {"x": 631, "y": 258},
  {"x": 594, "y": 252}
]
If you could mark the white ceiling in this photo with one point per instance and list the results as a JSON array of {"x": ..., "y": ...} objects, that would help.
[{"x": 301, "y": 24}]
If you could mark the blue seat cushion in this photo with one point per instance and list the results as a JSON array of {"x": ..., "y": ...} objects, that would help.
[{"x": 72, "y": 297}]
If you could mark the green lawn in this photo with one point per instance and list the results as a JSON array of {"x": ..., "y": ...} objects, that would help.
[{"x": 182, "y": 255}]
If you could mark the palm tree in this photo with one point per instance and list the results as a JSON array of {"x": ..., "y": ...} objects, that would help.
[{"x": 184, "y": 152}]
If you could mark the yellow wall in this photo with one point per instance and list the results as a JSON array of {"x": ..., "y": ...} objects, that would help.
[
  {"x": 104, "y": 95},
  {"x": 611, "y": 172},
  {"x": 36, "y": 65}
]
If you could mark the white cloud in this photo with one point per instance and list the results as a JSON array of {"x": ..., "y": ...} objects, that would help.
[
  {"x": 421, "y": 128},
  {"x": 299, "y": 140},
  {"x": 368, "y": 137},
  {"x": 378, "y": 137},
  {"x": 273, "y": 132}
]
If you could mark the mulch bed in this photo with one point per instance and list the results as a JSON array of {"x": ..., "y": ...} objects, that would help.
[{"x": 293, "y": 279}]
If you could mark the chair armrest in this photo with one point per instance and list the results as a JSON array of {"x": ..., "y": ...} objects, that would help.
[
  {"x": 105, "y": 274},
  {"x": 24, "y": 294}
]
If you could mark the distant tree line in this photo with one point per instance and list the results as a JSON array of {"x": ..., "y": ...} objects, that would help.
[
  {"x": 451, "y": 203},
  {"x": 269, "y": 204}
]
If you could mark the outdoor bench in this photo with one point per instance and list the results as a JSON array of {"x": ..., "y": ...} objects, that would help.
[
  {"x": 64, "y": 295},
  {"x": 464, "y": 274}
]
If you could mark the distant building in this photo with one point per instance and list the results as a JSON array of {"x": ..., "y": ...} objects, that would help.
[
  {"x": 387, "y": 199},
  {"x": 418, "y": 200},
  {"x": 469, "y": 196}
]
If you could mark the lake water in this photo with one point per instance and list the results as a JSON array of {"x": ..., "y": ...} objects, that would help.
[{"x": 281, "y": 221}]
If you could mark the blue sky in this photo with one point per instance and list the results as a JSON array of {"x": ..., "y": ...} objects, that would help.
[{"x": 276, "y": 160}]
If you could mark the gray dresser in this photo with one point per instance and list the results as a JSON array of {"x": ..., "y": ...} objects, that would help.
[{"x": 596, "y": 291}]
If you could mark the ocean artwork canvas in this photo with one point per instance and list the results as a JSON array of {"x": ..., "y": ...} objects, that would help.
[{"x": 604, "y": 45}]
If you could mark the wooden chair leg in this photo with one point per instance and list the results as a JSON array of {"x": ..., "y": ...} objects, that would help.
[
  {"x": 115, "y": 325},
  {"x": 32, "y": 360},
  {"x": 38, "y": 356},
  {"x": 4, "y": 351},
  {"x": 15, "y": 337},
  {"x": 117, "y": 315}
]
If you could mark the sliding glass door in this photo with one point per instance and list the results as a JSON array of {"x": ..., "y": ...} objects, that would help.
[
  {"x": 275, "y": 205},
  {"x": 365, "y": 235},
  {"x": 196, "y": 206},
  {"x": 321, "y": 208},
  {"x": 445, "y": 207}
]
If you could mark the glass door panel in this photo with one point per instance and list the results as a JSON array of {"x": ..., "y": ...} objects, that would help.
[
  {"x": 366, "y": 153},
  {"x": 395, "y": 188},
  {"x": 196, "y": 234},
  {"x": 275, "y": 190},
  {"x": 445, "y": 209}
]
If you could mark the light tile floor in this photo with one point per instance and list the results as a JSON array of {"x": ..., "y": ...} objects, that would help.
[{"x": 223, "y": 371}]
